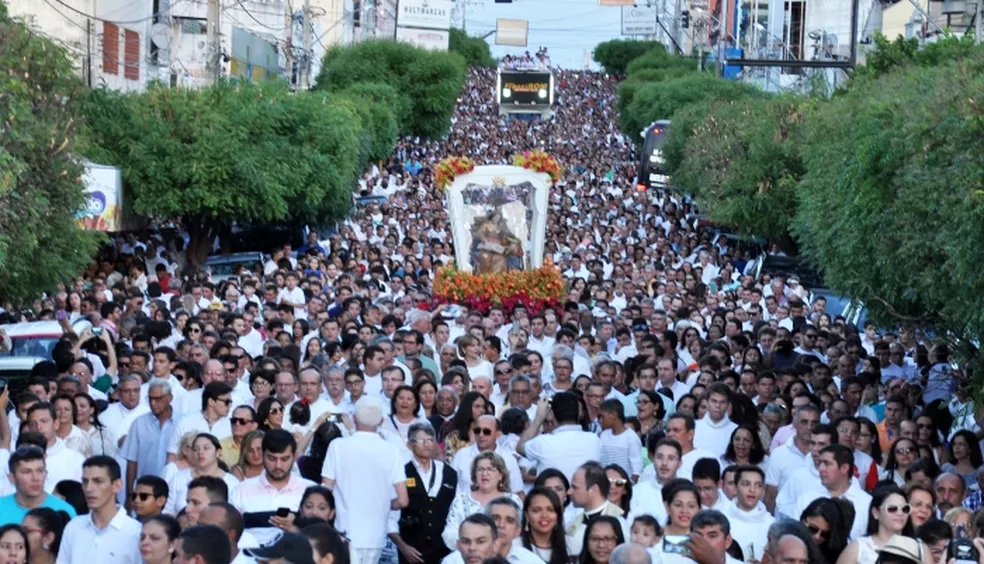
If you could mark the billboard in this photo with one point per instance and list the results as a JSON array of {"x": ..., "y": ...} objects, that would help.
[
  {"x": 430, "y": 39},
  {"x": 534, "y": 89},
  {"x": 104, "y": 210},
  {"x": 638, "y": 20},
  {"x": 511, "y": 32},
  {"x": 426, "y": 14}
]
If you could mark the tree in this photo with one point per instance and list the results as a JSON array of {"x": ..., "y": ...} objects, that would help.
[
  {"x": 254, "y": 154},
  {"x": 902, "y": 53},
  {"x": 474, "y": 50},
  {"x": 742, "y": 164},
  {"x": 659, "y": 100},
  {"x": 428, "y": 82},
  {"x": 891, "y": 203},
  {"x": 41, "y": 191},
  {"x": 615, "y": 55}
]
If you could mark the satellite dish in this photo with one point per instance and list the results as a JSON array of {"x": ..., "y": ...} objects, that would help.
[{"x": 160, "y": 35}]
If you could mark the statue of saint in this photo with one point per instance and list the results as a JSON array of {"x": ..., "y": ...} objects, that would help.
[{"x": 494, "y": 247}]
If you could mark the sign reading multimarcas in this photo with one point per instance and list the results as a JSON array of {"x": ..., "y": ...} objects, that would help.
[
  {"x": 525, "y": 88},
  {"x": 638, "y": 20},
  {"x": 426, "y": 14}
]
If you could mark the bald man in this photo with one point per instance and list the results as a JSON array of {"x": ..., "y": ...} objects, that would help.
[
  {"x": 630, "y": 553},
  {"x": 789, "y": 549}
]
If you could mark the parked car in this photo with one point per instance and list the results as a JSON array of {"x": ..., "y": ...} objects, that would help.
[
  {"x": 224, "y": 266},
  {"x": 30, "y": 343}
]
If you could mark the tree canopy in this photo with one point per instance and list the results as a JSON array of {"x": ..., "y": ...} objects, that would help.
[
  {"x": 41, "y": 190},
  {"x": 474, "y": 50},
  {"x": 254, "y": 154},
  {"x": 615, "y": 55},
  {"x": 428, "y": 82}
]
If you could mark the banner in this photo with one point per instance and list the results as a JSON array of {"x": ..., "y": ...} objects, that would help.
[
  {"x": 511, "y": 32},
  {"x": 638, "y": 20},
  {"x": 105, "y": 207},
  {"x": 525, "y": 88},
  {"x": 426, "y": 14},
  {"x": 431, "y": 39}
]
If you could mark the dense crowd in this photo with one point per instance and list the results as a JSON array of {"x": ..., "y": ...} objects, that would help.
[{"x": 322, "y": 408}]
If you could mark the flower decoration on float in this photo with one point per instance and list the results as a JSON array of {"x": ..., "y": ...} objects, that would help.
[
  {"x": 447, "y": 170},
  {"x": 540, "y": 161},
  {"x": 535, "y": 289}
]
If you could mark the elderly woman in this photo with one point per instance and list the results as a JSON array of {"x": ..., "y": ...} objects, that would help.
[{"x": 490, "y": 480}]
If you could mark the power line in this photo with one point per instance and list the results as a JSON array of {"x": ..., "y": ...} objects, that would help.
[
  {"x": 81, "y": 13},
  {"x": 252, "y": 17}
]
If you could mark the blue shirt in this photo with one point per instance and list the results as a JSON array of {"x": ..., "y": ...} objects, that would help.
[
  {"x": 146, "y": 444},
  {"x": 12, "y": 513}
]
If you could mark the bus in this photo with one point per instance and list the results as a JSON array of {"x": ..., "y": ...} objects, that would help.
[{"x": 652, "y": 167}]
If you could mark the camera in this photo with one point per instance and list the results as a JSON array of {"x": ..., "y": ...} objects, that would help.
[{"x": 962, "y": 548}]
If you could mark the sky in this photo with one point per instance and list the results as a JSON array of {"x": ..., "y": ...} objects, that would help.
[{"x": 568, "y": 28}]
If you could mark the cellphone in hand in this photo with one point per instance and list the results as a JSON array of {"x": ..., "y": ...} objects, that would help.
[
  {"x": 97, "y": 331},
  {"x": 674, "y": 544},
  {"x": 3, "y": 384},
  {"x": 283, "y": 512}
]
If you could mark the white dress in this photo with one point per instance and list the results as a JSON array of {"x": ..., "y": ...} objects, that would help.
[
  {"x": 78, "y": 440},
  {"x": 867, "y": 551},
  {"x": 103, "y": 441}
]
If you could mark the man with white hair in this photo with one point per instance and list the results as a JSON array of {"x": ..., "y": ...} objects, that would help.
[
  {"x": 482, "y": 385},
  {"x": 366, "y": 474},
  {"x": 630, "y": 553}
]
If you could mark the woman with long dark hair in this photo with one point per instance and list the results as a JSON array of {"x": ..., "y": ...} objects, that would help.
[
  {"x": 829, "y": 522},
  {"x": 601, "y": 536},
  {"x": 472, "y": 406},
  {"x": 205, "y": 462},
  {"x": 555, "y": 481},
  {"x": 620, "y": 490},
  {"x": 310, "y": 464},
  {"x": 101, "y": 439},
  {"x": 745, "y": 447},
  {"x": 44, "y": 528},
  {"x": 965, "y": 457},
  {"x": 888, "y": 515},
  {"x": 900, "y": 457},
  {"x": 649, "y": 412},
  {"x": 14, "y": 548},
  {"x": 270, "y": 414},
  {"x": 868, "y": 440},
  {"x": 544, "y": 531}
]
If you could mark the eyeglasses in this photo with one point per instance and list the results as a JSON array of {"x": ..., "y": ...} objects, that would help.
[
  {"x": 896, "y": 508},
  {"x": 620, "y": 482},
  {"x": 142, "y": 496},
  {"x": 486, "y": 470},
  {"x": 602, "y": 540},
  {"x": 156, "y": 398},
  {"x": 815, "y": 530},
  {"x": 425, "y": 441},
  {"x": 354, "y": 382},
  {"x": 240, "y": 421},
  {"x": 482, "y": 431}
]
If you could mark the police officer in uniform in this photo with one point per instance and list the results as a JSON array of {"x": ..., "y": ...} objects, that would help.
[{"x": 431, "y": 485}]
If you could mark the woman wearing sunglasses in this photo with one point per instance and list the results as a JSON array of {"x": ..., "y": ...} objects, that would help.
[
  {"x": 888, "y": 515},
  {"x": 900, "y": 457},
  {"x": 270, "y": 414},
  {"x": 620, "y": 492},
  {"x": 829, "y": 523}
]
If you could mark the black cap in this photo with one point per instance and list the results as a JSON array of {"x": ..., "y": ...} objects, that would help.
[{"x": 293, "y": 547}]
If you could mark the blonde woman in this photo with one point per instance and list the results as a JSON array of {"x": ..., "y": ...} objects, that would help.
[
  {"x": 185, "y": 457},
  {"x": 250, "y": 462},
  {"x": 470, "y": 350},
  {"x": 490, "y": 480}
]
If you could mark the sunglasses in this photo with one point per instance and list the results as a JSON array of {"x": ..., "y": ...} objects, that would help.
[
  {"x": 618, "y": 481},
  {"x": 896, "y": 508},
  {"x": 276, "y": 410},
  {"x": 178, "y": 376},
  {"x": 240, "y": 421},
  {"x": 142, "y": 496},
  {"x": 502, "y": 373},
  {"x": 480, "y": 431},
  {"x": 814, "y": 531},
  {"x": 227, "y": 401},
  {"x": 903, "y": 450}
]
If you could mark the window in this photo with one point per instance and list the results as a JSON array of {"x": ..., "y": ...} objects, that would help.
[
  {"x": 131, "y": 47},
  {"x": 111, "y": 48}
]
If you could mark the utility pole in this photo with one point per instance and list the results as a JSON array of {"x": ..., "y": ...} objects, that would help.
[
  {"x": 308, "y": 48},
  {"x": 289, "y": 54},
  {"x": 214, "y": 38},
  {"x": 979, "y": 22},
  {"x": 676, "y": 22}
]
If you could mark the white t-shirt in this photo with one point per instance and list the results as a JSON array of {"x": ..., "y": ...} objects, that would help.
[{"x": 567, "y": 448}]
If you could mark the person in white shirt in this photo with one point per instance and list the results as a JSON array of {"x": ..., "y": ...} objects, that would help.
[
  {"x": 213, "y": 418},
  {"x": 713, "y": 431},
  {"x": 106, "y": 534},
  {"x": 707, "y": 478},
  {"x": 568, "y": 446},
  {"x": 837, "y": 481},
  {"x": 293, "y": 296},
  {"x": 118, "y": 416},
  {"x": 62, "y": 462},
  {"x": 538, "y": 341},
  {"x": 366, "y": 474},
  {"x": 477, "y": 536},
  {"x": 202, "y": 543},
  {"x": 487, "y": 432},
  {"x": 508, "y": 519},
  {"x": 310, "y": 393},
  {"x": 807, "y": 476},
  {"x": 620, "y": 445},
  {"x": 680, "y": 427},
  {"x": 749, "y": 518},
  {"x": 792, "y": 454},
  {"x": 647, "y": 495},
  {"x": 589, "y": 492}
]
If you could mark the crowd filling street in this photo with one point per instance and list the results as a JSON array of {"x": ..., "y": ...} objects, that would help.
[{"x": 323, "y": 408}]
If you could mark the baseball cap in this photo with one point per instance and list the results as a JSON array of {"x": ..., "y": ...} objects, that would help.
[{"x": 293, "y": 547}]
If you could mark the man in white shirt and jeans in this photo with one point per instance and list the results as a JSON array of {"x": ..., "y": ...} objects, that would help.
[
  {"x": 106, "y": 534},
  {"x": 366, "y": 474}
]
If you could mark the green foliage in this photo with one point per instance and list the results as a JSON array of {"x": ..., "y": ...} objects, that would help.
[
  {"x": 428, "y": 82},
  {"x": 474, "y": 50},
  {"x": 661, "y": 61},
  {"x": 660, "y": 100},
  {"x": 891, "y": 204},
  {"x": 890, "y": 55},
  {"x": 41, "y": 190},
  {"x": 250, "y": 153},
  {"x": 615, "y": 55},
  {"x": 628, "y": 87},
  {"x": 743, "y": 164}
]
